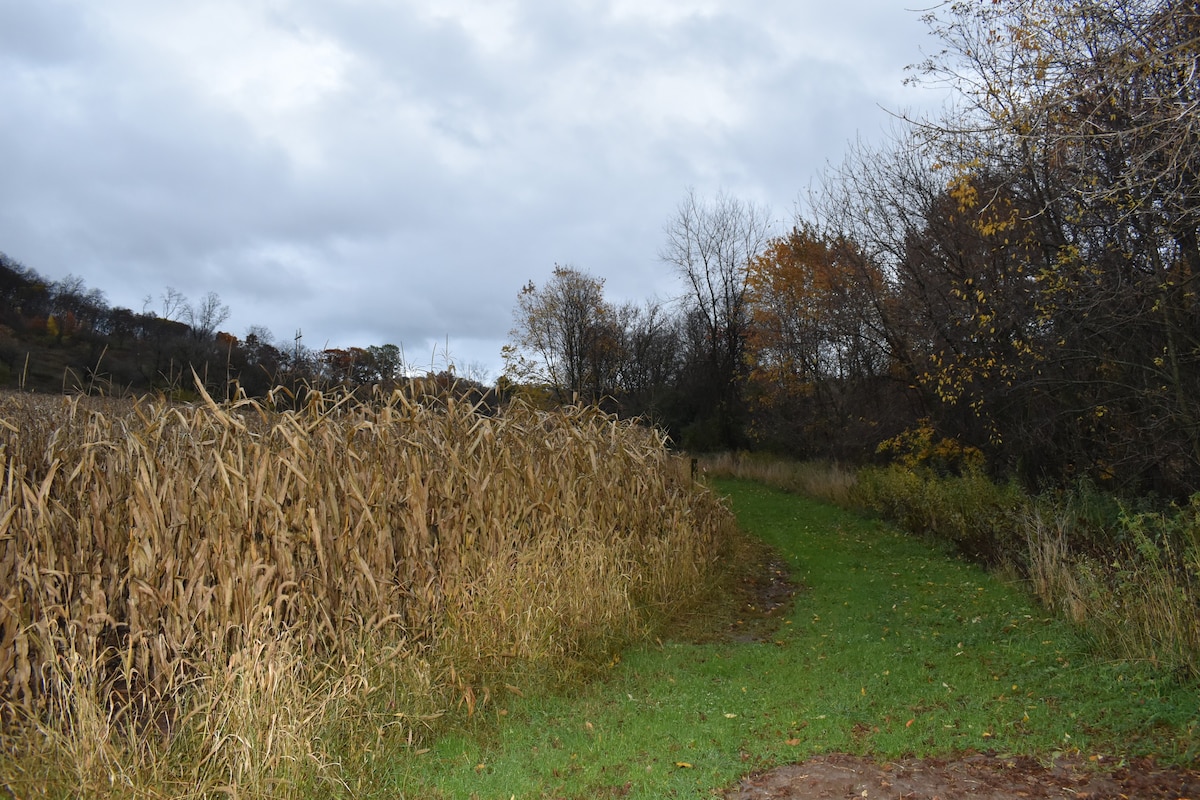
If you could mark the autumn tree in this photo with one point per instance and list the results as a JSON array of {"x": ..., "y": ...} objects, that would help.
[
  {"x": 1085, "y": 114},
  {"x": 336, "y": 366},
  {"x": 565, "y": 336},
  {"x": 1098, "y": 95},
  {"x": 1037, "y": 244},
  {"x": 815, "y": 343},
  {"x": 388, "y": 361},
  {"x": 710, "y": 244},
  {"x": 70, "y": 298}
]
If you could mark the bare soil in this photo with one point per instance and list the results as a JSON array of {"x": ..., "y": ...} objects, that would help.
[
  {"x": 763, "y": 597},
  {"x": 977, "y": 776}
]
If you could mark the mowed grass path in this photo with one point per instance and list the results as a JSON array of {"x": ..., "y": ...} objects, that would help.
[{"x": 892, "y": 648}]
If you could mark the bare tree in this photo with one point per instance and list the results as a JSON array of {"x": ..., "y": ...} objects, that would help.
[
  {"x": 174, "y": 304},
  {"x": 205, "y": 316},
  {"x": 477, "y": 372},
  {"x": 71, "y": 297},
  {"x": 649, "y": 358},
  {"x": 711, "y": 243}
]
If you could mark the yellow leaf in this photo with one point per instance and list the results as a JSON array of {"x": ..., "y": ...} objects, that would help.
[{"x": 683, "y": 765}]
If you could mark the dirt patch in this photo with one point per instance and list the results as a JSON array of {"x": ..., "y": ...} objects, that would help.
[
  {"x": 765, "y": 597},
  {"x": 976, "y": 776},
  {"x": 749, "y": 605}
]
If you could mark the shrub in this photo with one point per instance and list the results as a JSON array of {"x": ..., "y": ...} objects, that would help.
[{"x": 975, "y": 514}]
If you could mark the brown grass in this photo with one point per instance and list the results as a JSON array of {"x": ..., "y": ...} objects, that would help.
[
  {"x": 1056, "y": 575},
  {"x": 202, "y": 599},
  {"x": 823, "y": 480}
]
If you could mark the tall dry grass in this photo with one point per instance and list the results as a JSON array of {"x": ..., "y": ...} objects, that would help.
[
  {"x": 1142, "y": 599},
  {"x": 1058, "y": 576},
  {"x": 1132, "y": 579},
  {"x": 823, "y": 480},
  {"x": 229, "y": 598}
]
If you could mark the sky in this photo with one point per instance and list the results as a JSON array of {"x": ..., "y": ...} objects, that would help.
[{"x": 394, "y": 171}]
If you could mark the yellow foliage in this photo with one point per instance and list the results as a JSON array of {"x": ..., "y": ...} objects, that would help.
[{"x": 916, "y": 447}]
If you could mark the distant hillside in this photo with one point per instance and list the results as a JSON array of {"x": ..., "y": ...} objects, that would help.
[
  {"x": 58, "y": 336},
  {"x": 61, "y": 335}
]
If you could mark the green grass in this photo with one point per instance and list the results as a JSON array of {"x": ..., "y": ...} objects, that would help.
[{"x": 892, "y": 648}]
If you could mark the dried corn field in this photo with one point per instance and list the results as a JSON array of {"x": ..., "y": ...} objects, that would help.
[{"x": 143, "y": 543}]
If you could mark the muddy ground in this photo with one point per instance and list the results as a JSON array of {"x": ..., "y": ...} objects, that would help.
[{"x": 976, "y": 776}]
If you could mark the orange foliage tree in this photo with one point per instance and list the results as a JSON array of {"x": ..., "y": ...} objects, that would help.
[{"x": 816, "y": 343}]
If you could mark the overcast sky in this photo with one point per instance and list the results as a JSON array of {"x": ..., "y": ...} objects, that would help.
[{"x": 394, "y": 171}]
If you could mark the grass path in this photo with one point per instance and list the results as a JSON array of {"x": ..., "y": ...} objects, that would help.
[{"x": 892, "y": 648}]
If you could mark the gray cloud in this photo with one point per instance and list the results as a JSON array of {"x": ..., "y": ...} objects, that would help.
[{"x": 376, "y": 172}]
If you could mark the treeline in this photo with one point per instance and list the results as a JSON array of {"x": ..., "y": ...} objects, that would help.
[
  {"x": 62, "y": 335},
  {"x": 680, "y": 365},
  {"x": 1014, "y": 283}
]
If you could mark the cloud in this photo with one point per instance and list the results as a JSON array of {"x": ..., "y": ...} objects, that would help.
[{"x": 376, "y": 171}]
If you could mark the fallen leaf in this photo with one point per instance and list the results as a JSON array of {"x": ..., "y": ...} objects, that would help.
[
  {"x": 683, "y": 765},
  {"x": 792, "y": 742}
]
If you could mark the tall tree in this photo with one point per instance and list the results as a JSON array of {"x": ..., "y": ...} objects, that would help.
[
  {"x": 650, "y": 361},
  {"x": 710, "y": 244},
  {"x": 564, "y": 335},
  {"x": 388, "y": 360},
  {"x": 1088, "y": 112},
  {"x": 815, "y": 342}
]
